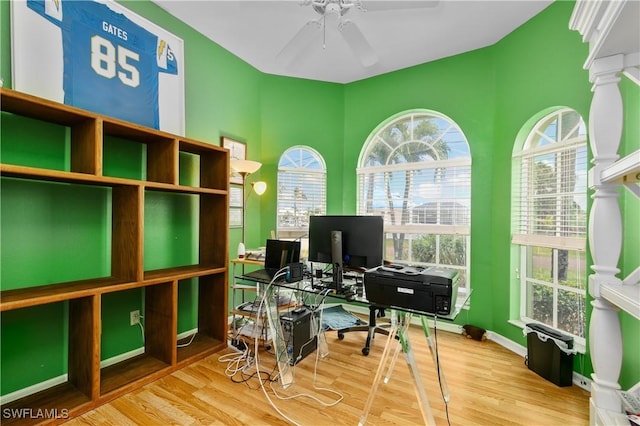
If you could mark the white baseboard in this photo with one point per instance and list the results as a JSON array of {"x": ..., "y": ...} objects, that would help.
[
  {"x": 188, "y": 333},
  {"x": 582, "y": 381},
  {"x": 122, "y": 357},
  {"x": 29, "y": 390},
  {"x": 507, "y": 343}
]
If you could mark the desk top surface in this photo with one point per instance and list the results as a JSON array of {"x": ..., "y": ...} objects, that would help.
[
  {"x": 245, "y": 261},
  {"x": 307, "y": 285}
]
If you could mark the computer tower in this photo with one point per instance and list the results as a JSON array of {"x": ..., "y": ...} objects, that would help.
[{"x": 298, "y": 333}]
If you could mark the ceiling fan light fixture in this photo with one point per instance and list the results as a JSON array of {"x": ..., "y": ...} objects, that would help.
[
  {"x": 324, "y": 7},
  {"x": 349, "y": 30}
]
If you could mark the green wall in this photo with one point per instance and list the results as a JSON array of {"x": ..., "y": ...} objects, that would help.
[
  {"x": 490, "y": 93},
  {"x": 301, "y": 112}
]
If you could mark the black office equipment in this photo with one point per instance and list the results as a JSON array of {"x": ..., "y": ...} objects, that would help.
[
  {"x": 430, "y": 290},
  {"x": 336, "y": 258},
  {"x": 346, "y": 242},
  {"x": 549, "y": 354},
  {"x": 279, "y": 253},
  {"x": 362, "y": 247},
  {"x": 299, "y": 337}
]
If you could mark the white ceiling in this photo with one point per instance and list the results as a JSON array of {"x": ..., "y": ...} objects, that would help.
[{"x": 257, "y": 31}]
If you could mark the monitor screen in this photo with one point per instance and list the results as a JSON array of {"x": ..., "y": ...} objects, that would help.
[
  {"x": 362, "y": 240},
  {"x": 280, "y": 253}
]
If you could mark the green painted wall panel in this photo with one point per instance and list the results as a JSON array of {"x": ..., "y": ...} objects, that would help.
[
  {"x": 124, "y": 159},
  {"x": 170, "y": 230},
  {"x": 188, "y": 302},
  {"x": 118, "y": 336},
  {"x": 41, "y": 145},
  {"x": 33, "y": 346},
  {"x": 53, "y": 233}
]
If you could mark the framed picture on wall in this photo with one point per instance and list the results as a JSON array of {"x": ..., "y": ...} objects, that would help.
[
  {"x": 235, "y": 196},
  {"x": 237, "y": 151},
  {"x": 152, "y": 96},
  {"x": 235, "y": 217}
]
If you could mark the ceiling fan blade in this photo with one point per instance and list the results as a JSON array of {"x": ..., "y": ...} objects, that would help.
[
  {"x": 298, "y": 43},
  {"x": 377, "y": 5},
  {"x": 358, "y": 43}
]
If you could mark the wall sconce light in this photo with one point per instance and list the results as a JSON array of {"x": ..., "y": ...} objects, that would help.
[{"x": 259, "y": 187}]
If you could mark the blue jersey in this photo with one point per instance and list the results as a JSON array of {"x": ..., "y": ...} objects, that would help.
[{"x": 111, "y": 64}]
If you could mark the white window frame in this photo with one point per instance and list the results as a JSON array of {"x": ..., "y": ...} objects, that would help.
[{"x": 524, "y": 236}]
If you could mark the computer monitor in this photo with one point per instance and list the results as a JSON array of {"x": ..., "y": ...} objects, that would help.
[{"x": 346, "y": 242}]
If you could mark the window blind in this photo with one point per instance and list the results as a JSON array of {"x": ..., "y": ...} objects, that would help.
[
  {"x": 301, "y": 192},
  {"x": 418, "y": 197},
  {"x": 549, "y": 198}
]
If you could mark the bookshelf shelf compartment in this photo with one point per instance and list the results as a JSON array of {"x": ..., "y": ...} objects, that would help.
[
  {"x": 58, "y": 403},
  {"x": 117, "y": 377},
  {"x": 65, "y": 324},
  {"x": 211, "y": 315},
  {"x": 83, "y": 153}
]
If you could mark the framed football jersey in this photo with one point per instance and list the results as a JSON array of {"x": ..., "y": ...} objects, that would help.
[{"x": 99, "y": 56}]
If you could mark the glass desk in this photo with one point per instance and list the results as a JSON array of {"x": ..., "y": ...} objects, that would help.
[{"x": 398, "y": 340}]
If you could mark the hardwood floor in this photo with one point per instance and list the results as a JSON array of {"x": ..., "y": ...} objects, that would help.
[{"x": 489, "y": 385}]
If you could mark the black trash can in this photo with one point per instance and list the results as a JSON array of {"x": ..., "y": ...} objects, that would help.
[{"x": 550, "y": 354}]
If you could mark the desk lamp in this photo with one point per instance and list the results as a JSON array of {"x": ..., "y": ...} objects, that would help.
[{"x": 244, "y": 168}]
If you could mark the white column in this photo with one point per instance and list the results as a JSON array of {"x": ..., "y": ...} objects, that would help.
[{"x": 605, "y": 231}]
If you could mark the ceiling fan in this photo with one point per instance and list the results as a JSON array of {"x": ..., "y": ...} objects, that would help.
[{"x": 349, "y": 30}]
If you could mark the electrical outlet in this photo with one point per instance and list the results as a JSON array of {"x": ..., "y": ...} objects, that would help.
[{"x": 134, "y": 317}]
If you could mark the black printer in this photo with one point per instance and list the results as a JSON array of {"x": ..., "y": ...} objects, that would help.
[{"x": 431, "y": 290}]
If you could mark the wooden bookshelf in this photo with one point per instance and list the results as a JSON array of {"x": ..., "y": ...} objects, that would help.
[{"x": 88, "y": 385}]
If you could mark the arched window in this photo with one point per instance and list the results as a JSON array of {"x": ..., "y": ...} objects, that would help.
[
  {"x": 549, "y": 222},
  {"x": 415, "y": 171},
  {"x": 302, "y": 191}
]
